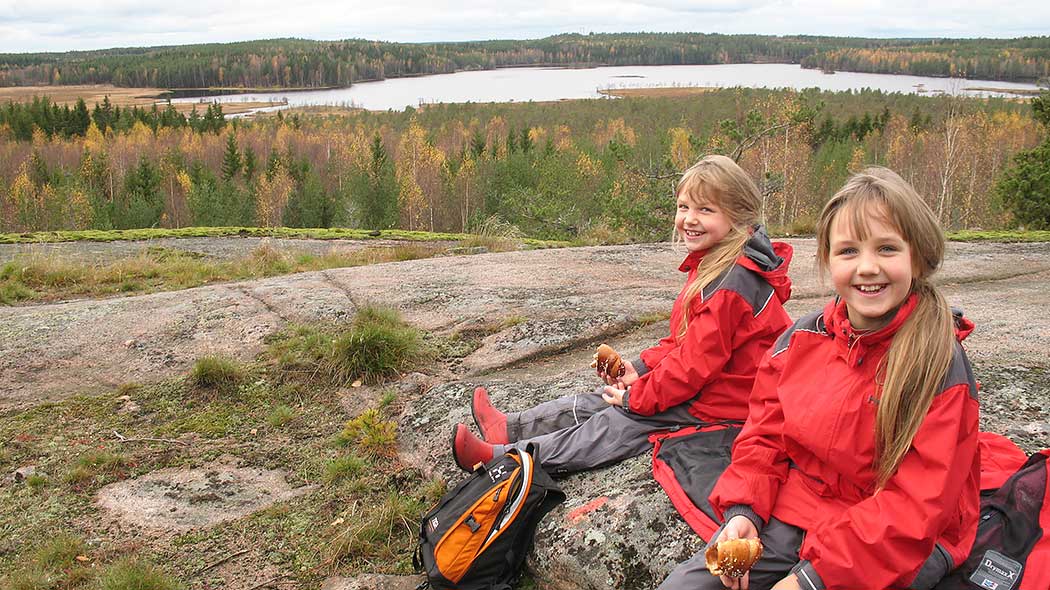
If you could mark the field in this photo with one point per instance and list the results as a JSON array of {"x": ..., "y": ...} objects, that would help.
[{"x": 122, "y": 97}]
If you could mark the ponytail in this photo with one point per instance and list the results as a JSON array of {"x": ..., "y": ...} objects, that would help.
[{"x": 911, "y": 376}]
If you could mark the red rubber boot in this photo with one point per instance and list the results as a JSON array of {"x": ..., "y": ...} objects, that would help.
[
  {"x": 469, "y": 450},
  {"x": 491, "y": 422}
]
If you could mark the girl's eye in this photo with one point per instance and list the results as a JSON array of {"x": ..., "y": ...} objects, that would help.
[
  {"x": 706, "y": 210},
  {"x": 847, "y": 251},
  {"x": 888, "y": 248},
  {"x": 683, "y": 207}
]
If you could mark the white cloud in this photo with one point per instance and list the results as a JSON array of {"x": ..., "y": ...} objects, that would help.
[{"x": 53, "y": 25}]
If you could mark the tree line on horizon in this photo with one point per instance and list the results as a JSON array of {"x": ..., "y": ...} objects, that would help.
[
  {"x": 597, "y": 171},
  {"x": 301, "y": 63}
]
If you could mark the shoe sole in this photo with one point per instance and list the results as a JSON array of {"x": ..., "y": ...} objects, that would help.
[{"x": 455, "y": 456}]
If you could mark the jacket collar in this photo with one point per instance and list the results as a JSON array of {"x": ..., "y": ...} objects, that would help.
[
  {"x": 853, "y": 344},
  {"x": 692, "y": 261}
]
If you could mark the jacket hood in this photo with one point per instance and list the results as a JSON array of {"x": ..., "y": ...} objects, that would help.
[
  {"x": 963, "y": 325},
  {"x": 769, "y": 259}
]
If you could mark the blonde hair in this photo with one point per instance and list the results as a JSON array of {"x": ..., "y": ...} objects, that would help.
[
  {"x": 720, "y": 181},
  {"x": 921, "y": 352}
]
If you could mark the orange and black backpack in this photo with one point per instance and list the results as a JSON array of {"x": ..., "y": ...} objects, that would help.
[{"x": 478, "y": 534}]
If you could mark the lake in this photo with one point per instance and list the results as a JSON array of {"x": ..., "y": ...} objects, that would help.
[{"x": 548, "y": 84}]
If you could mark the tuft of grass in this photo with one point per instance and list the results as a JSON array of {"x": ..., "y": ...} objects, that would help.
[
  {"x": 653, "y": 318},
  {"x": 60, "y": 552},
  {"x": 377, "y": 536},
  {"x": 51, "y": 565},
  {"x": 344, "y": 467},
  {"x": 280, "y": 416},
  {"x": 216, "y": 372},
  {"x": 31, "y": 578},
  {"x": 378, "y": 345},
  {"x": 370, "y": 433},
  {"x": 495, "y": 235},
  {"x": 93, "y": 465},
  {"x": 36, "y": 482},
  {"x": 136, "y": 574},
  {"x": 387, "y": 399}
]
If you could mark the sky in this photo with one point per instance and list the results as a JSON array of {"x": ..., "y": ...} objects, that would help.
[{"x": 52, "y": 25}]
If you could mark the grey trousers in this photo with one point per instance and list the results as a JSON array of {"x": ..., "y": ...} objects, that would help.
[
  {"x": 781, "y": 543},
  {"x": 579, "y": 432}
]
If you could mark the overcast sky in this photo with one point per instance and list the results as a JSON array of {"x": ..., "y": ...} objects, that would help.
[{"x": 50, "y": 25}]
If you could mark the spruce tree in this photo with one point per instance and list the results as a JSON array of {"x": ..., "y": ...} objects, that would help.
[{"x": 231, "y": 159}]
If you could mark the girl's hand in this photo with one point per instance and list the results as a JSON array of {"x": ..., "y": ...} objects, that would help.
[
  {"x": 630, "y": 375},
  {"x": 738, "y": 527},
  {"x": 613, "y": 396},
  {"x": 788, "y": 583}
]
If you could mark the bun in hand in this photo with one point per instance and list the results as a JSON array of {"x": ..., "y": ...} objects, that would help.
[
  {"x": 734, "y": 557},
  {"x": 608, "y": 362}
]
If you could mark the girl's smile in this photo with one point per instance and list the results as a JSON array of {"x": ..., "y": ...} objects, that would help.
[{"x": 701, "y": 224}]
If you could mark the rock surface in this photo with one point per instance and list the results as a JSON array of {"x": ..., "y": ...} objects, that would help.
[{"x": 617, "y": 529}]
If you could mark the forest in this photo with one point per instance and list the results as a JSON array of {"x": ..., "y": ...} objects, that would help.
[
  {"x": 592, "y": 171},
  {"x": 301, "y": 63}
]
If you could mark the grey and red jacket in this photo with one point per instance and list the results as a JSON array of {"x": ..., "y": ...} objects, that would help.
[
  {"x": 733, "y": 321},
  {"x": 806, "y": 454}
]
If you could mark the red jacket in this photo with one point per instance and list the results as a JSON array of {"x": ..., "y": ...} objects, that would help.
[
  {"x": 806, "y": 456},
  {"x": 734, "y": 320}
]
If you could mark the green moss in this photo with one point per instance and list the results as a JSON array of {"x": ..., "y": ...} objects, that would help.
[{"x": 968, "y": 235}]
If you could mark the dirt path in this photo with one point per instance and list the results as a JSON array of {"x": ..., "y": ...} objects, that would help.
[{"x": 566, "y": 297}]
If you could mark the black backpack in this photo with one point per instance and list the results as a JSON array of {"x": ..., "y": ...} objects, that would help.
[{"x": 478, "y": 534}]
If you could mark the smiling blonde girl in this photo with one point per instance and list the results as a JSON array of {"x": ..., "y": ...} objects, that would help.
[{"x": 726, "y": 316}]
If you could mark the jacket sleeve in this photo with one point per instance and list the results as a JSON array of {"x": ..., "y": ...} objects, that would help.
[
  {"x": 699, "y": 357},
  {"x": 883, "y": 540},
  {"x": 652, "y": 356},
  {"x": 760, "y": 463}
]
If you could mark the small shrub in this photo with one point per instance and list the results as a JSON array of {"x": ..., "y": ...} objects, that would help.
[
  {"x": 215, "y": 372},
  {"x": 280, "y": 416},
  {"x": 135, "y": 574},
  {"x": 343, "y": 468},
  {"x": 369, "y": 432},
  {"x": 13, "y": 290},
  {"x": 601, "y": 232}
]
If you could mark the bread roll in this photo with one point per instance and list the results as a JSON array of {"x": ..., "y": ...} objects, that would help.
[
  {"x": 608, "y": 362},
  {"x": 734, "y": 557}
]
